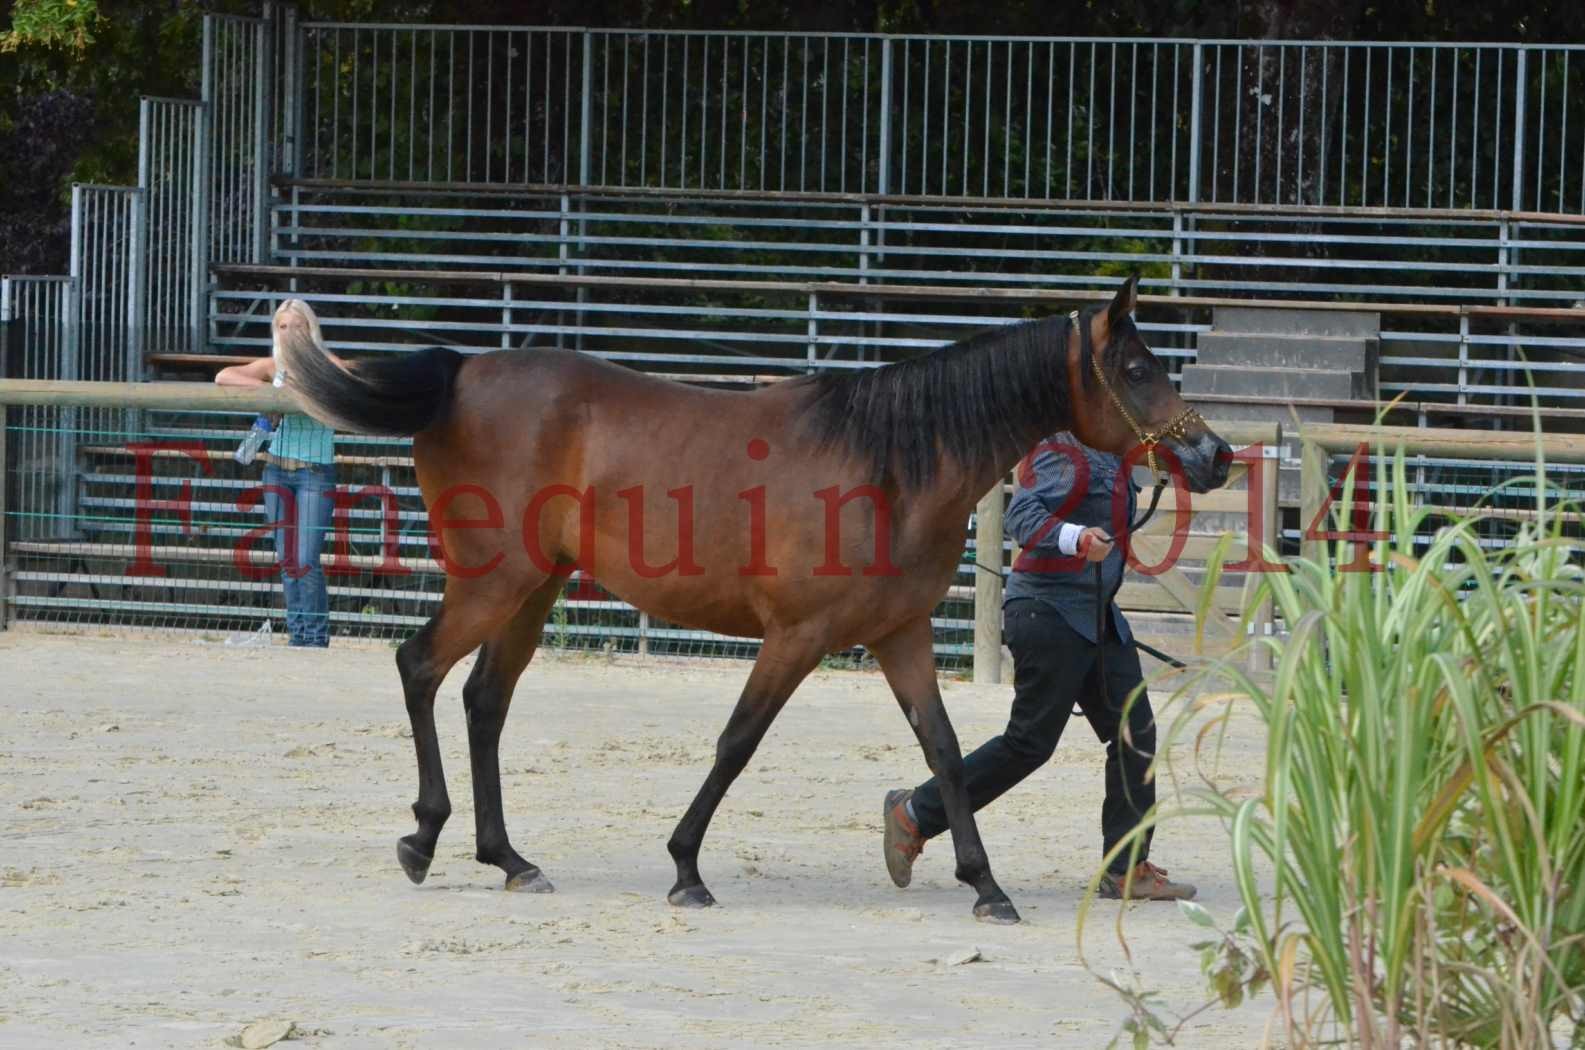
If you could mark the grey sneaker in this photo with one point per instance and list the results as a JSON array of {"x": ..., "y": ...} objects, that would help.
[
  {"x": 902, "y": 842},
  {"x": 1145, "y": 883}
]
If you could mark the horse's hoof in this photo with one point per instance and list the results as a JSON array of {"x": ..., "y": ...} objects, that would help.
[
  {"x": 690, "y": 897},
  {"x": 413, "y": 862},
  {"x": 1001, "y": 912},
  {"x": 530, "y": 880}
]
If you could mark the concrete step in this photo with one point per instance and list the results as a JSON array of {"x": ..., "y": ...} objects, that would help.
[
  {"x": 1221, "y": 412},
  {"x": 1344, "y": 353},
  {"x": 1255, "y": 320},
  {"x": 1244, "y": 381}
]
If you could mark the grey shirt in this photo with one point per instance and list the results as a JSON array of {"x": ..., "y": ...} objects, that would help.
[{"x": 1053, "y": 487}]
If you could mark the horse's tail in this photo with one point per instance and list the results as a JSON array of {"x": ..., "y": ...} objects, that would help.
[{"x": 398, "y": 395}]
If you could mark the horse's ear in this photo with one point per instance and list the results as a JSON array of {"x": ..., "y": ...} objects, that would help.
[{"x": 1124, "y": 301}]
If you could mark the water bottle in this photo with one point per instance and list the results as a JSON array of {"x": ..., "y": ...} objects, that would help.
[{"x": 251, "y": 444}]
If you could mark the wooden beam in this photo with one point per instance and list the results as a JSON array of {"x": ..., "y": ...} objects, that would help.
[
  {"x": 1513, "y": 445},
  {"x": 59, "y": 392},
  {"x": 988, "y": 588}
]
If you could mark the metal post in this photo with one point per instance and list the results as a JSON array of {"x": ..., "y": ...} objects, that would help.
[
  {"x": 506, "y": 314},
  {"x": 201, "y": 179},
  {"x": 1194, "y": 127},
  {"x": 813, "y": 327},
  {"x": 1518, "y": 130},
  {"x": 584, "y": 138},
  {"x": 988, "y": 587},
  {"x": 136, "y": 319},
  {"x": 5, "y": 482},
  {"x": 643, "y": 633},
  {"x": 264, "y": 75},
  {"x": 882, "y": 178},
  {"x": 71, "y": 368},
  {"x": 290, "y": 161},
  {"x": 561, "y": 248}
]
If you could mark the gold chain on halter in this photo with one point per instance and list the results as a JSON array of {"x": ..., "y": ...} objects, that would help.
[{"x": 1150, "y": 439}]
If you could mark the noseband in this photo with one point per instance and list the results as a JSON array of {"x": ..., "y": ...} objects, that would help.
[{"x": 1175, "y": 428}]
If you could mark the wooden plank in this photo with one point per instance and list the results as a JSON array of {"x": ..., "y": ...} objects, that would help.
[
  {"x": 1314, "y": 491},
  {"x": 1152, "y": 550},
  {"x": 1517, "y": 446},
  {"x": 988, "y": 588}
]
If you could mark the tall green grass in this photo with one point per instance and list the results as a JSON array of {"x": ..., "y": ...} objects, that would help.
[{"x": 1412, "y": 869}]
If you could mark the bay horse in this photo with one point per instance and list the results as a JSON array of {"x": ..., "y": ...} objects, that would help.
[{"x": 818, "y": 514}]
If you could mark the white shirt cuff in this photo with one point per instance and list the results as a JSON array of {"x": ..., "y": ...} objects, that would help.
[{"x": 1068, "y": 537}]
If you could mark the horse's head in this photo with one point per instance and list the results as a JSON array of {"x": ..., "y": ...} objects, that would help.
[{"x": 1123, "y": 398}]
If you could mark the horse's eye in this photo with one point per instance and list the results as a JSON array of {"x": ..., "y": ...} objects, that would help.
[{"x": 1138, "y": 374}]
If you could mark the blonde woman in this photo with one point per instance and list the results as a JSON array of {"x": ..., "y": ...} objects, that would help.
[{"x": 299, "y": 476}]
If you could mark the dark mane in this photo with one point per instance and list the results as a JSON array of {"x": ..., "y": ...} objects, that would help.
[{"x": 985, "y": 399}]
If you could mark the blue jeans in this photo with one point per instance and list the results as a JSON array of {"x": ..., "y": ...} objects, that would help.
[{"x": 298, "y": 505}]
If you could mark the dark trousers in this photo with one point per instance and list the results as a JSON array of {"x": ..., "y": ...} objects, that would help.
[{"x": 1055, "y": 668}]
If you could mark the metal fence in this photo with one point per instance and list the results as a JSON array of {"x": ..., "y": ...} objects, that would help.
[{"x": 1470, "y": 126}]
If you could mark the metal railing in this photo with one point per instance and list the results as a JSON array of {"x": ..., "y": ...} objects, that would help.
[{"x": 1455, "y": 126}]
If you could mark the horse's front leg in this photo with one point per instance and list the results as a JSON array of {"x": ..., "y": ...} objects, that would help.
[
  {"x": 784, "y": 660},
  {"x": 907, "y": 658}
]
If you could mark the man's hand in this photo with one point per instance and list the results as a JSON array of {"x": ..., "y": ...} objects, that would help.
[{"x": 1094, "y": 544}]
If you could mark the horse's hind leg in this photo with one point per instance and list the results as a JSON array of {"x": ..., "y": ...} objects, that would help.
[
  {"x": 784, "y": 660},
  {"x": 466, "y": 617},
  {"x": 487, "y": 697},
  {"x": 908, "y": 661}
]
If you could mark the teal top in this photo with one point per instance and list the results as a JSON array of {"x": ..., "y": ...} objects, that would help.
[{"x": 303, "y": 439}]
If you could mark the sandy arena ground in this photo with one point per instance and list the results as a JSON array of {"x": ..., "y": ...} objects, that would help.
[{"x": 199, "y": 837}]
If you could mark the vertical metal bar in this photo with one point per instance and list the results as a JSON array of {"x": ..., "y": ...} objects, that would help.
[
  {"x": 627, "y": 77},
  {"x": 528, "y": 108},
  {"x": 1408, "y": 134},
  {"x": 1216, "y": 124},
  {"x": 1474, "y": 135},
  {"x": 1452, "y": 137},
  {"x": 643, "y": 123},
  {"x": 1298, "y": 170},
  {"x": 665, "y": 100},
  {"x": 263, "y": 81},
  {"x": 1520, "y": 56},
  {"x": 704, "y": 112},
  {"x": 1326, "y": 130},
  {"x": 1238, "y": 118},
  {"x": 785, "y": 103},
  {"x": 682, "y": 139},
  {"x": 412, "y": 100},
  {"x": 290, "y": 161},
  {"x": 1155, "y": 68},
  {"x": 1342, "y": 163},
  {"x": 968, "y": 106},
  {"x": 1051, "y": 74},
  {"x": 1540, "y": 129},
  {"x": 1067, "y": 163},
  {"x": 764, "y": 107},
  {"x": 825, "y": 108},
  {"x": 1386, "y": 138},
  {"x": 842, "y": 152},
  {"x": 390, "y": 145},
  {"x": 506, "y": 154},
  {"x": 585, "y": 110},
  {"x": 742, "y": 147},
  {"x": 1089, "y": 131},
  {"x": 1280, "y": 130},
  {"x": 1029, "y": 111},
  {"x": 1260, "y": 115},
  {"x": 883, "y": 166},
  {"x": 985, "y": 149},
  {"x": 803, "y": 120},
  {"x": 1007, "y": 120},
  {"x": 201, "y": 169},
  {"x": 1562, "y": 138},
  {"x": 946, "y": 109},
  {"x": 1196, "y": 119},
  {"x": 1134, "y": 94},
  {"x": 566, "y": 98},
  {"x": 1430, "y": 149},
  {"x": 1111, "y": 121},
  {"x": 1364, "y": 149},
  {"x": 5, "y": 480},
  {"x": 726, "y": 66}
]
